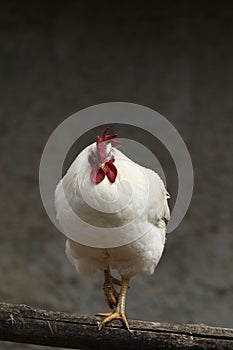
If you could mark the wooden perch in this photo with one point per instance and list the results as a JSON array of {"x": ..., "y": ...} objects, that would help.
[{"x": 22, "y": 324}]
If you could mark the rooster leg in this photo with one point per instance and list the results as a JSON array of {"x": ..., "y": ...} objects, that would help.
[
  {"x": 119, "y": 313},
  {"x": 110, "y": 293},
  {"x": 116, "y": 281}
]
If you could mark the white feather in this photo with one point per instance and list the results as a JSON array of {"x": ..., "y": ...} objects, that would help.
[{"x": 144, "y": 251}]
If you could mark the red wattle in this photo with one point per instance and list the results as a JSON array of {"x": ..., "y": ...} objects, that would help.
[
  {"x": 111, "y": 171},
  {"x": 97, "y": 176}
]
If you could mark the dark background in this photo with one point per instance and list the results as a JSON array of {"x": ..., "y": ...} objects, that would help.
[{"x": 175, "y": 57}]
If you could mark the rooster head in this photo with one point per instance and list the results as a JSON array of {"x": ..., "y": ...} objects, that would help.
[{"x": 102, "y": 160}]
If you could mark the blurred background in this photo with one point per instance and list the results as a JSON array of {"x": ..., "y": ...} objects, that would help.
[{"x": 175, "y": 57}]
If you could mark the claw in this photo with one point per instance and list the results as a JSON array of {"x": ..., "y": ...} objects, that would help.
[
  {"x": 109, "y": 316},
  {"x": 110, "y": 295}
]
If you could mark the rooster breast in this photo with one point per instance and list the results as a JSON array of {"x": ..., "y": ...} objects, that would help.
[{"x": 143, "y": 253}]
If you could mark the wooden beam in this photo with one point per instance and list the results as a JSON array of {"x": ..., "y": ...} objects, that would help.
[{"x": 23, "y": 324}]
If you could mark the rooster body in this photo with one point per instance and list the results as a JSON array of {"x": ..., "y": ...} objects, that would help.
[{"x": 143, "y": 252}]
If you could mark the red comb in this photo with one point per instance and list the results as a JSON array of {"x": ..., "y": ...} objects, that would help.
[{"x": 106, "y": 137}]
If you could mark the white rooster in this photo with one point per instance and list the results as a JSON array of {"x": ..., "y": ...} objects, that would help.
[{"x": 103, "y": 168}]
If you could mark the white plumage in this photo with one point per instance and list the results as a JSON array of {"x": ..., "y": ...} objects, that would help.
[{"x": 86, "y": 199}]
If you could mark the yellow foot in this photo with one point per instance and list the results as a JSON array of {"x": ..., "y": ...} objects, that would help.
[
  {"x": 110, "y": 295},
  {"x": 117, "y": 281},
  {"x": 109, "y": 316}
]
